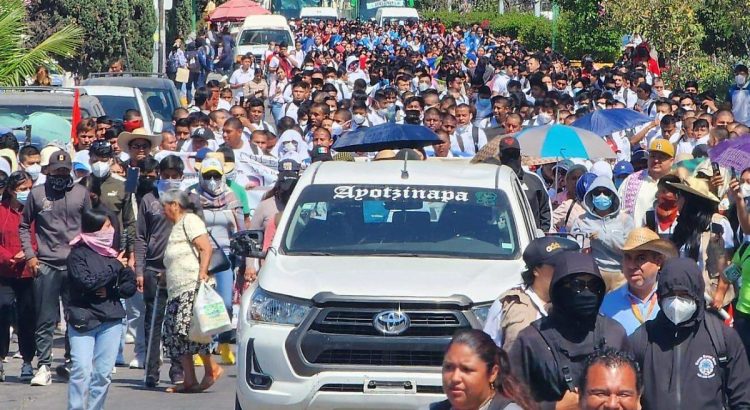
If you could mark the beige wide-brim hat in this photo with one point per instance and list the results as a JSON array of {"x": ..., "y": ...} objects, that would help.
[
  {"x": 124, "y": 139},
  {"x": 696, "y": 186},
  {"x": 644, "y": 239},
  {"x": 385, "y": 154}
]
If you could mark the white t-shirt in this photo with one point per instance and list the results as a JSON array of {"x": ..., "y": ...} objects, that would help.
[
  {"x": 241, "y": 77},
  {"x": 466, "y": 138}
]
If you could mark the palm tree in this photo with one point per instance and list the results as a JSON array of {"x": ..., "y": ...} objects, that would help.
[{"x": 18, "y": 62}]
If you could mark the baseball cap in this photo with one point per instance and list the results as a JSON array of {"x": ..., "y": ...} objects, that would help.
[
  {"x": 203, "y": 133},
  {"x": 638, "y": 156},
  {"x": 212, "y": 164},
  {"x": 661, "y": 145},
  {"x": 542, "y": 250},
  {"x": 46, "y": 154},
  {"x": 564, "y": 165},
  {"x": 320, "y": 154},
  {"x": 623, "y": 168},
  {"x": 60, "y": 159},
  {"x": 508, "y": 143}
]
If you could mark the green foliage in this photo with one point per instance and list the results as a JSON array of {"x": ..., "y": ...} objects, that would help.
[
  {"x": 17, "y": 62},
  {"x": 712, "y": 73},
  {"x": 179, "y": 20},
  {"x": 726, "y": 24},
  {"x": 575, "y": 36},
  {"x": 585, "y": 31},
  {"x": 109, "y": 27}
]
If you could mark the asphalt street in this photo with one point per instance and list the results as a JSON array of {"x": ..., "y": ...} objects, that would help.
[{"x": 125, "y": 393}]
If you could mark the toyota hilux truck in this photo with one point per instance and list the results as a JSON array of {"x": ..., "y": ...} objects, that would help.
[{"x": 374, "y": 266}]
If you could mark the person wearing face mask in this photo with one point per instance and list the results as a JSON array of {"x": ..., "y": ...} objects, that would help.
[
  {"x": 606, "y": 228},
  {"x": 662, "y": 218},
  {"x": 468, "y": 138},
  {"x": 98, "y": 278},
  {"x": 55, "y": 210},
  {"x": 223, "y": 215},
  {"x": 739, "y": 95},
  {"x": 16, "y": 279},
  {"x": 515, "y": 309},
  {"x": 510, "y": 155},
  {"x": 549, "y": 356},
  {"x": 233, "y": 178},
  {"x": 29, "y": 159},
  {"x": 688, "y": 357}
]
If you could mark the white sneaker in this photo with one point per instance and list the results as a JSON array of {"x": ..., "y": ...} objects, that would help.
[
  {"x": 114, "y": 370},
  {"x": 43, "y": 377},
  {"x": 136, "y": 364},
  {"x": 129, "y": 339}
]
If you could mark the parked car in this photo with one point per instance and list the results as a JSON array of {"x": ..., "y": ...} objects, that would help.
[
  {"x": 158, "y": 90},
  {"x": 48, "y": 110},
  {"x": 116, "y": 100},
  {"x": 370, "y": 273}
]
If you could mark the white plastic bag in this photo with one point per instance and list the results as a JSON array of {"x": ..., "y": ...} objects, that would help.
[
  {"x": 209, "y": 312},
  {"x": 195, "y": 334}
]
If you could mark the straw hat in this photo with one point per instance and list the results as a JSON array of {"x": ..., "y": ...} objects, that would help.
[
  {"x": 644, "y": 239},
  {"x": 698, "y": 187},
  {"x": 124, "y": 139},
  {"x": 385, "y": 154}
]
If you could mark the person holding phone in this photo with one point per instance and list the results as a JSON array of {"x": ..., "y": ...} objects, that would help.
[{"x": 257, "y": 87}]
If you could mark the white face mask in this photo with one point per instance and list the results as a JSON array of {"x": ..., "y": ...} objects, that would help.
[
  {"x": 34, "y": 170},
  {"x": 423, "y": 87},
  {"x": 358, "y": 119},
  {"x": 100, "y": 169},
  {"x": 678, "y": 309},
  {"x": 303, "y": 124},
  {"x": 740, "y": 79},
  {"x": 336, "y": 129},
  {"x": 745, "y": 190},
  {"x": 543, "y": 118},
  {"x": 289, "y": 146}
]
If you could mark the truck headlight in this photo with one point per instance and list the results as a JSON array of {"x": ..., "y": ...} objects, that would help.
[
  {"x": 481, "y": 311},
  {"x": 268, "y": 308}
]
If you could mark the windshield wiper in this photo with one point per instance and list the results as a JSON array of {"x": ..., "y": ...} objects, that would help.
[{"x": 312, "y": 253}]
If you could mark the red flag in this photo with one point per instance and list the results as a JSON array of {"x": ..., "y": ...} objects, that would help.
[{"x": 75, "y": 118}]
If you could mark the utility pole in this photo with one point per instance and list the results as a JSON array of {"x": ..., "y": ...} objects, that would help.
[{"x": 160, "y": 37}]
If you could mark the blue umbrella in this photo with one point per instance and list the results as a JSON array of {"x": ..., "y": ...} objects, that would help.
[
  {"x": 386, "y": 136},
  {"x": 605, "y": 122},
  {"x": 562, "y": 141}
]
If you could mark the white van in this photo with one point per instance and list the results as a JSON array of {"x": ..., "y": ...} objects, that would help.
[
  {"x": 372, "y": 269},
  {"x": 387, "y": 15},
  {"x": 259, "y": 31},
  {"x": 319, "y": 14}
]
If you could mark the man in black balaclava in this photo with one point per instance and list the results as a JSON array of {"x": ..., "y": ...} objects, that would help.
[
  {"x": 689, "y": 358},
  {"x": 549, "y": 355},
  {"x": 510, "y": 155}
]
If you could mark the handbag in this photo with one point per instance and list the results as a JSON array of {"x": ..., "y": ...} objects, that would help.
[
  {"x": 219, "y": 261},
  {"x": 81, "y": 319}
]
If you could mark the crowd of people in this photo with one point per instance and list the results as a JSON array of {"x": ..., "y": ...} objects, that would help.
[{"x": 122, "y": 226}]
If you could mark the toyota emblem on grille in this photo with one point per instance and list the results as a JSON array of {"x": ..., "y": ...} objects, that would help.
[{"x": 391, "y": 322}]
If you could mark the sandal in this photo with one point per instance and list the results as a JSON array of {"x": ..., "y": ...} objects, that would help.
[
  {"x": 182, "y": 388},
  {"x": 205, "y": 385}
]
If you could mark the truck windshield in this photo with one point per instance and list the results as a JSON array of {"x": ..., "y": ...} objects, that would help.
[
  {"x": 256, "y": 37},
  {"x": 400, "y": 220}
]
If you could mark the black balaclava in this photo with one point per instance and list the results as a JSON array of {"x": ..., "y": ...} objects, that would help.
[{"x": 574, "y": 307}]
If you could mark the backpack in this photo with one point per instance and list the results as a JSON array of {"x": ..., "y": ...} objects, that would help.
[
  {"x": 193, "y": 61},
  {"x": 474, "y": 137},
  {"x": 172, "y": 62}
]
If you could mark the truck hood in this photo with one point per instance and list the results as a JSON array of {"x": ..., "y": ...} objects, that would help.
[
  {"x": 257, "y": 50},
  {"x": 398, "y": 277}
]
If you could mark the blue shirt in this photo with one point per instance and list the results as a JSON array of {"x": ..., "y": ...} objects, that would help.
[{"x": 619, "y": 303}]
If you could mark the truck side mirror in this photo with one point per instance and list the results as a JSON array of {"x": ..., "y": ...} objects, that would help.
[{"x": 248, "y": 244}]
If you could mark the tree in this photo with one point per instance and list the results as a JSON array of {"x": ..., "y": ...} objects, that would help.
[
  {"x": 727, "y": 24},
  {"x": 113, "y": 29},
  {"x": 17, "y": 60}
]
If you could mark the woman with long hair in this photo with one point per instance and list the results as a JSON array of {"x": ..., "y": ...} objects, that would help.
[
  {"x": 705, "y": 236},
  {"x": 41, "y": 78},
  {"x": 16, "y": 278},
  {"x": 477, "y": 376}
]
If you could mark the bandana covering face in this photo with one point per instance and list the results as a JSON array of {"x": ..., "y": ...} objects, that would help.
[{"x": 100, "y": 241}]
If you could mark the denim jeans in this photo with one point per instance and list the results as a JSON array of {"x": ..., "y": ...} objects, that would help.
[
  {"x": 93, "y": 357},
  {"x": 224, "y": 287},
  {"x": 276, "y": 111}
]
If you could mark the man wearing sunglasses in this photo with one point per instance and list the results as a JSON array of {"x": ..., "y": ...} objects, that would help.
[{"x": 549, "y": 356}]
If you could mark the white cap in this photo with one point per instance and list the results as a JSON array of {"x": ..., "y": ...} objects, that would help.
[{"x": 602, "y": 169}]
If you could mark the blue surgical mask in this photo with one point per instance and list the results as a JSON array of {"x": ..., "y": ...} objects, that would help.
[
  {"x": 602, "y": 202},
  {"x": 23, "y": 196}
]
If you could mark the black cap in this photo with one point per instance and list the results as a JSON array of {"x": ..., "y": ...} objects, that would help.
[
  {"x": 59, "y": 159},
  {"x": 638, "y": 156},
  {"x": 542, "y": 250},
  {"x": 320, "y": 154},
  {"x": 700, "y": 151},
  {"x": 102, "y": 149},
  {"x": 203, "y": 133},
  {"x": 508, "y": 143}
]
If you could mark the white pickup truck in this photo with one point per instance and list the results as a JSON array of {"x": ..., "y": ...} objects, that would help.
[{"x": 370, "y": 273}]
